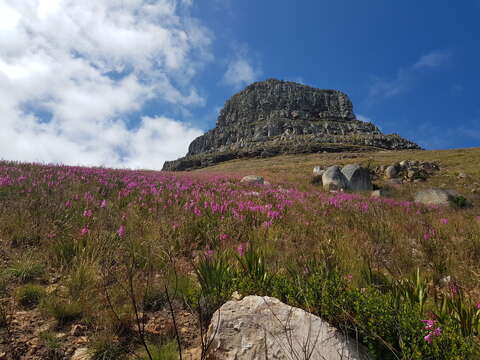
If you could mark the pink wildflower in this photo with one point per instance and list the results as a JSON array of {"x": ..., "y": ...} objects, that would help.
[
  {"x": 437, "y": 331},
  {"x": 103, "y": 203},
  {"x": 478, "y": 306},
  {"x": 85, "y": 230},
  {"x": 241, "y": 249},
  {"x": 209, "y": 253},
  {"x": 88, "y": 213},
  {"x": 121, "y": 231},
  {"x": 223, "y": 236},
  {"x": 428, "y": 338},
  {"x": 349, "y": 277},
  {"x": 428, "y": 324},
  {"x": 444, "y": 221},
  {"x": 68, "y": 204}
]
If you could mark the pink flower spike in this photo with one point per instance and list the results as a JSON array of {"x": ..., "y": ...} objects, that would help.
[
  {"x": 223, "y": 236},
  {"x": 103, "y": 203},
  {"x": 88, "y": 213},
  {"x": 85, "y": 230},
  {"x": 349, "y": 277},
  {"x": 121, "y": 231},
  {"x": 444, "y": 221},
  {"x": 241, "y": 249},
  {"x": 478, "y": 306},
  {"x": 68, "y": 204},
  {"x": 437, "y": 332},
  {"x": 428, "y": 324},
  {"x": 428, "y": 338},
  {"x": 209, "y": 253}
]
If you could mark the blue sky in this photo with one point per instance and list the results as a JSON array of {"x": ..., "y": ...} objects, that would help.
[{"x": 129, "y": 83}]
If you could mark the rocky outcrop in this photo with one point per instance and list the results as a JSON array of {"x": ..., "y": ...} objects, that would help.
[
  {"x": 260, "y": 328},
  {"x": 276, "y": 117}
]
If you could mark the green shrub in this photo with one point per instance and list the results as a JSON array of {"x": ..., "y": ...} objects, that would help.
[
  {"x": 62, "y": 310},
  {"x": 52, "y": 344},
  {"x": 30, "y": 295},
  {"x": 215, "y": 275},
  {"x": 166, "y": 351},
  {"x": 105, "y": 347},
  {"x": 25, "y": 270}
]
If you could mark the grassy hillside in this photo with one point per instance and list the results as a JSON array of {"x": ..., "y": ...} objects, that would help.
[{"x": 128, "y": 264}]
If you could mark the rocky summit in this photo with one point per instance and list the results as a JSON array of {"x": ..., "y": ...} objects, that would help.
[{"x": 274, "y": 117}]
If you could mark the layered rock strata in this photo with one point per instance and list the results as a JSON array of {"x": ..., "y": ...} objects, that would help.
[{"x": 279, "y": 117}]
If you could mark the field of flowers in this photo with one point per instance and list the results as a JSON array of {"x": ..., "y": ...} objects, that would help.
[{"x": 105, "y": 248}]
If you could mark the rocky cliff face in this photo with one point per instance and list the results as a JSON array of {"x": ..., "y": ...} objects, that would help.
[{"x": 273, "y": 117}]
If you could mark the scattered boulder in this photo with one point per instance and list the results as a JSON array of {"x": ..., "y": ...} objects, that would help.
[
  {"x": 81, "y": 353},
  {"x": 379, "y": 193},
  {"x": 358, "y": 178},
  {"x": 253, "y": 179},
  {"x": 391, "y": 172},
  {"x": 333, "y": 179},
  {"x": 258, "y": 328},
  {"x": 395, "y": 182},
  {"x": 318, "y": 170},
  {"x": 436, "y": 196}
]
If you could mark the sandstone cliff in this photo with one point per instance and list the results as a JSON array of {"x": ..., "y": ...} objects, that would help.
[{"x": 275, "y": 117}]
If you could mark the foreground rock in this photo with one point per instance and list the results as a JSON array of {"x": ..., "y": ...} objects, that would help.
[
  {"x": 358, "y": 178},
  {"x": 253, "y": 179},
  {"x": 275, "y": 117},
  {"x": 261, "y": 328},
  {"x": 435, "y": 196},
  {"x": 333, "y": 179}
]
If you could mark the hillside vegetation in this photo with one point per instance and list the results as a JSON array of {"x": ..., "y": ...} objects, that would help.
[{"x": 132, "y": 264}]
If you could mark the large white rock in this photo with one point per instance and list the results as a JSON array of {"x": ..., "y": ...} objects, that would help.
[
  {"x": 358, "y": 178},
  {"x": 261, "y": 328},
  {"x": 252, "y": 179},
  {"x": 333, "y": 179}
]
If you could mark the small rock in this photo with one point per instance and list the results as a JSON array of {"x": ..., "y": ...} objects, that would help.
[
  {"x": 443, "y": 282},
  {"x": 81, "y": 354},
  {"x": 395, "y": 181},
  {"x": 391, "y": 172},
  {"x": 333, "y": 179},
  {"x": 404, "y": 163},
  {"x": 78, "y": 330},
  {"x": 379, "y": 193},
  {"x": 252, "y": 179},
  {"x": 236, "y": 296},
  {"x": 462, "y": 175}
]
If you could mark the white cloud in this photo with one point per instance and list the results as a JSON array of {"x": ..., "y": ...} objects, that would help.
[
  {"x": 433, "y": 59},
  {"x": 406, "y": 77},
  {"x": 88, "y": 65},
  {"x": 241, "y": 69}
]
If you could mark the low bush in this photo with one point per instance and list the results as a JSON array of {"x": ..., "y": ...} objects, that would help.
[
  {"x": 63, "y": 311},
  {"x": 30, "y": 295}
]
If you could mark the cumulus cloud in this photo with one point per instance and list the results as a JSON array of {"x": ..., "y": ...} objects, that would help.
[
  {"x": 241, "y": 69},
  {"x": 74, "y": 74},
  {"x": 407, "y": 76}
]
